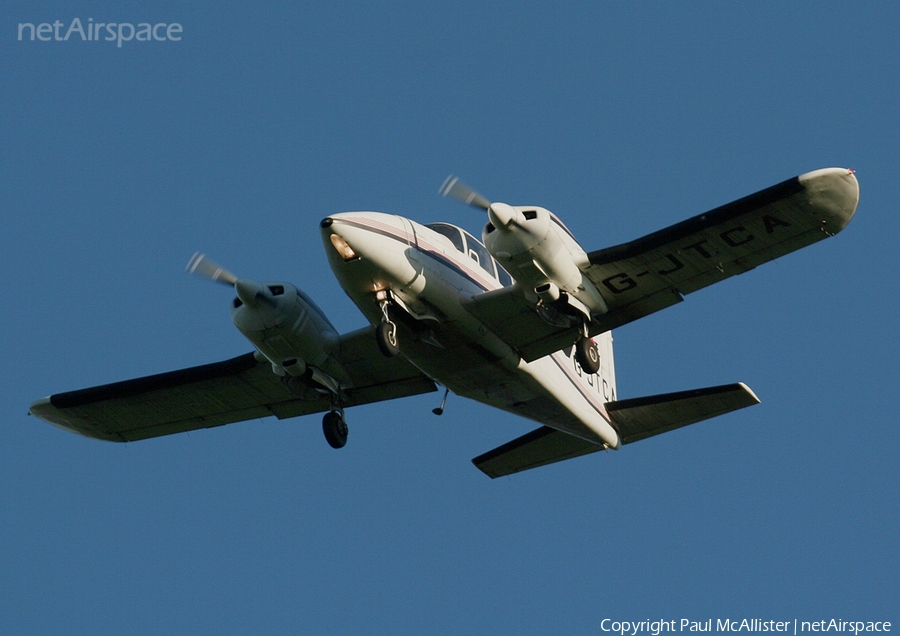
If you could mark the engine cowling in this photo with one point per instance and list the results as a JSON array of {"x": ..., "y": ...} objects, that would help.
[
  {"x": 543, "y": 257},
  {"x": 284, "y": 324}
]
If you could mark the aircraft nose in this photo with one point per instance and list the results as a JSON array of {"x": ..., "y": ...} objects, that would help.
[{"x": 341, "y": 237}]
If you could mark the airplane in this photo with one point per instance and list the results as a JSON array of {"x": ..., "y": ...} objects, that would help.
[{"x": 520, "y": 320}]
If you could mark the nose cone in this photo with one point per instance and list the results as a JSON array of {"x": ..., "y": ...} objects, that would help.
[
  {"x": 345, "y": 234},
  {"x": 370, "y": 251}
]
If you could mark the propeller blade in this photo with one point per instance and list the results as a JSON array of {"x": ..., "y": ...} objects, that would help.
[
  {"x": 202, "y": 265},
  {"x": 458, "y": 190}
]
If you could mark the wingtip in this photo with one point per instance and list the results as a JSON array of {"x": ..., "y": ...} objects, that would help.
[
  {"x": 749, "y": 392},
  {"x": 43, "y": 409},
  {"x": 835, "y": 193}
]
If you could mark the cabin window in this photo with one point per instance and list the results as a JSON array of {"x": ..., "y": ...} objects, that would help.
[
  {"x": 478, "y": 253},
  {"x": 502, "y": 275}
]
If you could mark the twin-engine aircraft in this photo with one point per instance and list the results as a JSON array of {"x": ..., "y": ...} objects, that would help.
[{"x": 520, "y": 321}]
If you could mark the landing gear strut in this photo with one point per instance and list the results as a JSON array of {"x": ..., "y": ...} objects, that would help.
[
  {"x": 386, "y": 333},
  {"x": 335, "y": 428},
  {"x": 587, "y": 355}
]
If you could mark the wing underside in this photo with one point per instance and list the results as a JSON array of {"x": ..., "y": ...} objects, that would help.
[{"x": 234, "y": 390}]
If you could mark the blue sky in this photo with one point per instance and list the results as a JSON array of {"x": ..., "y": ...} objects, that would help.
[{"x": 623, "y": 118}]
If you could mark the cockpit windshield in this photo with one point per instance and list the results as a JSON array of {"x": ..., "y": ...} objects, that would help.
[
  {"x": 451, "y": 232},
  {"x": 473, "y": 249},
  {"x": 562, "y": 226}
]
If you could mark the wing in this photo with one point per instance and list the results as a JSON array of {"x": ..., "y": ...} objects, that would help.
[
  {"x": 224, "y": 392},
  {"x": 635, "y": 419},
  {"x": 656, "y": 271}
]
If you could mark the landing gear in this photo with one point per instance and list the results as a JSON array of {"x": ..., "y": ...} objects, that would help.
[
  {"x": 386, "y": 337},
  {"x": 587, "y": 355},
  {"x": 386, "y": 332},
  {"x": 335, "y": 429}
]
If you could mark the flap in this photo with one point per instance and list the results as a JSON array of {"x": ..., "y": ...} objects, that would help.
[{"x": 513, "y": 318}]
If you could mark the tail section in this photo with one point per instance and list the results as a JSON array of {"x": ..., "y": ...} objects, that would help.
[
  {"x": 640, "y": 418},
  {"x": 634, "y": 419}
]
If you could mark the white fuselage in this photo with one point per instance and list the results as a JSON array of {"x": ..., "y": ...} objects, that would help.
[{"x": 429, "y": 272}]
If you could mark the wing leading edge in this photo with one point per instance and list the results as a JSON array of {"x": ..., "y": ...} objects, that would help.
[
  {"x": 635, "y": 419},
  {"x": 224, "y": 392}
]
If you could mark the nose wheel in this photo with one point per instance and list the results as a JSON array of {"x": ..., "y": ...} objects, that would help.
[
  {"x": 587, "y": 355},
  {"x": 335, "y": 429},
  {"x": 386, "y": 331},
  {"x": 386, "y": 338}
]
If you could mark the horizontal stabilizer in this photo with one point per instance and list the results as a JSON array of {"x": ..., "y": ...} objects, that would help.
[
  {"x": 540, "y": 447},
  {"x": 639, "y": 418}
]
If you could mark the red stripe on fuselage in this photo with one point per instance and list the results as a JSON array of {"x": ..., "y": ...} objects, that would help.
[{"x": 484, "y": 283}]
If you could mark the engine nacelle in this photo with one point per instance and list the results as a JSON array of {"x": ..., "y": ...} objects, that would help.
[
  {"x": 284, "y": 324},
  {"x": 537, "y": 249}
]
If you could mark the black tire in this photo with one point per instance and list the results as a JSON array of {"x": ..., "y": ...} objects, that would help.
[
  {"x": 335, "y": 429},
  {"x": 587, "y": 355},
  {"x": 386, "y": 337}
]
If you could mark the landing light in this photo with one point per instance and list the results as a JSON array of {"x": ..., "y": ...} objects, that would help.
[{"x": 343, "y": 248}]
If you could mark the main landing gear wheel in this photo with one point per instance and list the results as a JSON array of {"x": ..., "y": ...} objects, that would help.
[
  {"x": 386, "y": 337},
  {"x": 335, "y": 429},
  {"x": 587, "y": 355}
]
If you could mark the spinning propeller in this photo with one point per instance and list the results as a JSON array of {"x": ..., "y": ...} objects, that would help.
[
  {"x": 456, "y": 189},
  {"x": 205, "y": 267},
  {"x": 249, "y": 291},
  {"x": 501, "y": 215}
]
